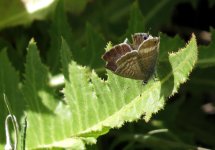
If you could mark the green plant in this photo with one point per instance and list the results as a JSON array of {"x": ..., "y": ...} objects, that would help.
[{"x": 90, "y": 102}]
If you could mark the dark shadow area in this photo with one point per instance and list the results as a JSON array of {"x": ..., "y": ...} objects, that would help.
[{"x": 165, "y": 75}]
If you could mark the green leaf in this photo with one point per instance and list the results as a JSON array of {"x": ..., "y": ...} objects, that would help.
[
  {"x": 98, "y": 105},
  {"x": 181, "y": 70},
  {"x": 9, "y": 85},
  {"x": 38, "y": 97},
  {"x": 167, "y": 45},
  {"x": 36, "y": 80},
  {"x": 207, "y": 53},
  {"x": 157, "y": 12},
  {"x": 91, "y": 54},
  {"x": 203, "y": 76},
  {"x": 65, "y": 58},
  {"x": 136, "y": 21},
  {"x": 48, "y": 118},
  {"x": 74, "y": 6},
  {"x": 60, "y": 27},
  {"x": 91, "y": 105}
]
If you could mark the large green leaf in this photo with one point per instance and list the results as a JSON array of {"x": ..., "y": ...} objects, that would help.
[
  {"x": 99, "y": 105},
  {"x": 91, "y": 105}
]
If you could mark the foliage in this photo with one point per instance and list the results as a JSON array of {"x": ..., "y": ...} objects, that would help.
[{"x": 91, "y": 102}]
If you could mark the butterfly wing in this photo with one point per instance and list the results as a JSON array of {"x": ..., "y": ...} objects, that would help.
[
  {"x": 149, "y": 45},
  {"x": 148, "y": 53},
  {"x": 114, "y": 54},
  {"x": 136, "y": 60},
  {"x": 128, "y": 66}
]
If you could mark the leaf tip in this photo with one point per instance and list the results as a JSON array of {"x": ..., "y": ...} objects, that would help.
[
  {"x": 108, "y": 46},
  {"x": 32, "y": 41}
]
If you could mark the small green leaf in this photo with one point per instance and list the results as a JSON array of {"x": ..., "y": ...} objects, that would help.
[{"x": 65, "y": 58}]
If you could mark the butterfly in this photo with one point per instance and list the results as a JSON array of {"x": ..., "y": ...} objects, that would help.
[{"x": 136, "y": 60}]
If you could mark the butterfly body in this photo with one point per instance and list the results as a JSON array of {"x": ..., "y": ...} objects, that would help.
[{"x": 136, "y": 60}]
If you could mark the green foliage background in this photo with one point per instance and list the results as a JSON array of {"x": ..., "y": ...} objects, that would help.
[{"x": 93, "y": 108}]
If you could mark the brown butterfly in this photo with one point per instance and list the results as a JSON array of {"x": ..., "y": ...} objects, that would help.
[{"x": 136, "y": 60}]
